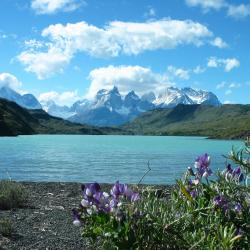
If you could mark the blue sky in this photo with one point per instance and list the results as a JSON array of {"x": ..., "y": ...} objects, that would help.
[{"x": 68, "y": 49}]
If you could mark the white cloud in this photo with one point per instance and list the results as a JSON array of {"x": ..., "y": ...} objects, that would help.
[
  {"x": 206, "y": 4},
  {"x": 179, "y": 72},
  {"x": 65, "y": 98},
  {"x": 53, "y": 6},
  {"x": 10, "y": 81},
  {"x": 218, "y": 42},
  {"x": 235, "y": 11},
  {"x": 221, "y": 85},
  {"x": 229, "y": 85},
  {"x": 199, "y": 70},
  {"x": 45, "y": 64},
  {"x": 227, "y": 102},
  {"x": 228, "y": 92},
  {"x": 62, "y": 42},
  {"x": 228, "y": 64},
  {"x": 234, "y": 85},
  {"x": 239, "y": 11},
  {"x": 138, "y": 78}
]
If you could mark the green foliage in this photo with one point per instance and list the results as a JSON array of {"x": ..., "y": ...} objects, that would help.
[
  {"x": 226, "y": 121},
  {"x": 15, "y": 120},
  {"x": 5, "y": 227},
  {"x": 12, "y": 195},
  {"x": 199, "y": 214}
]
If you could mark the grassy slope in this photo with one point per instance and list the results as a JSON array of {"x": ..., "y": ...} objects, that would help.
[
  {"x": 15, "y": 120},
  {"x": 226, "y": 121}
]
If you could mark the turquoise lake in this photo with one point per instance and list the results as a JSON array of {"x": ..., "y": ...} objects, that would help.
[{"x": 105, "y": 159}]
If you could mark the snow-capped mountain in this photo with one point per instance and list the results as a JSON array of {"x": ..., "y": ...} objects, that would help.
[
  {"x": 27, "y": 101},
  {"x": 55, "y": 110},
  {"x": 173, "y": 96},
  {"x": 110, "y": 108}
]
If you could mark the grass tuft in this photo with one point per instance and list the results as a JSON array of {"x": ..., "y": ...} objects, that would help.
[
  {"x": 5, "y": 227},
  {"x": 12, "y": 195}
]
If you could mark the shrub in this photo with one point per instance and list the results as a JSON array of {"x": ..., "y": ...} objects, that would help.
[
  {"x": 12, "y": 195},
  {"x": 200, "y": 214},
  {"x": 5, "y": 227}
]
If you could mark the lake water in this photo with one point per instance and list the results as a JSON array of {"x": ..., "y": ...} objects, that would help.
[{"x": 87, "y": 158}]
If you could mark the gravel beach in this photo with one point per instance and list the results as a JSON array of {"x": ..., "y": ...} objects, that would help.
[{"x": 46, "y": 220}]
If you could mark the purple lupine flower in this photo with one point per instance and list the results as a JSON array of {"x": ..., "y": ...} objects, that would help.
[
  {"x": 241, "y": 178},
  {"x": 193, "y": 193},
  {"x": 128, "y": 192},
  {"x": 229, "y": 169},
  {"x": 236, "y": 171},
  {"x": 237, "y": 174},
  {"x": 135, "y": 197},
  {"x": 117, "y": 189},
  {"x": 203, "y": 161},
  {"x": 238, "y": 207},
  {"x": 221, "y": 202},
  {"x": 202, "y": 165},
  {"x": 91, "y": 188}
]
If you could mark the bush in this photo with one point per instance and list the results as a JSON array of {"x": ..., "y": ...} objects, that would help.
[
  {"x": 12, "y": 195},
  {"x": 200, "y": 214},
  {"x": 5, "y": 227}
]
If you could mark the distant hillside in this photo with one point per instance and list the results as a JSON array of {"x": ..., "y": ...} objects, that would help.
[
  {"x": 226, "y": 121},
  {"x": 15, "y": 120}
]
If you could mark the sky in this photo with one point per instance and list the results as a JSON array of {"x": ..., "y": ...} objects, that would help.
[{"x": 65, "y": 50}]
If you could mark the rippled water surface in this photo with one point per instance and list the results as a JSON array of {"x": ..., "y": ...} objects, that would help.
[{"x": 89, "y": 158}]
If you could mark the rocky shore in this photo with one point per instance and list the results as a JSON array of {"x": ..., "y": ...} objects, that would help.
[{"x": 46, "y": 220}]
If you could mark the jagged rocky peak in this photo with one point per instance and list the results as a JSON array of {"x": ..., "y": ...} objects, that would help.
[
  {"x": 173, "y": 96},
  {"x": 131, "y": 99},
  {"x": 31, "y": 102}
]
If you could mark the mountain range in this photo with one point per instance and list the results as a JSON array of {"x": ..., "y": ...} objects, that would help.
[
  {"x": 110, "y": 108},
  {"x": 224, "y": 121}
]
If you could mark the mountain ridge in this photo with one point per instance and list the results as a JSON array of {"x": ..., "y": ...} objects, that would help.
[{"x": 231, "y": 121}]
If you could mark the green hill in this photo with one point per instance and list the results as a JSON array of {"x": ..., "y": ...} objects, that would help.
[
  {"x": 226, "y": 121},
  {"x": 15, "y": 120}
]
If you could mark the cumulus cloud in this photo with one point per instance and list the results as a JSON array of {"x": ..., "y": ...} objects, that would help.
[
  {"x": 138, "y": 78},
  {"x": 54, "y": 6},
  {"x": 218, "y": 42},
  {"x": 207, "y": 4},
  {"x": 9, "y": 80},
  {"x": 178, "y": 72},
  {"x": 199, "y": 70},
  {"x": 228, "y": 64},
  {"x": 228, "y": 85},
  {"x": 236, "y": 11},
  {"x": 65, "y": 98},
  {"x": 239, "y": 11},
  {"x": 62, "y": 42},
  {"x": 45, "y": 64}
]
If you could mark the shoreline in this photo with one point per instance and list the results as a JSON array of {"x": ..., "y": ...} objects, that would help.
[
  {"x": 46, "y": 222},
  {"x": 143, "y": 135}
]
